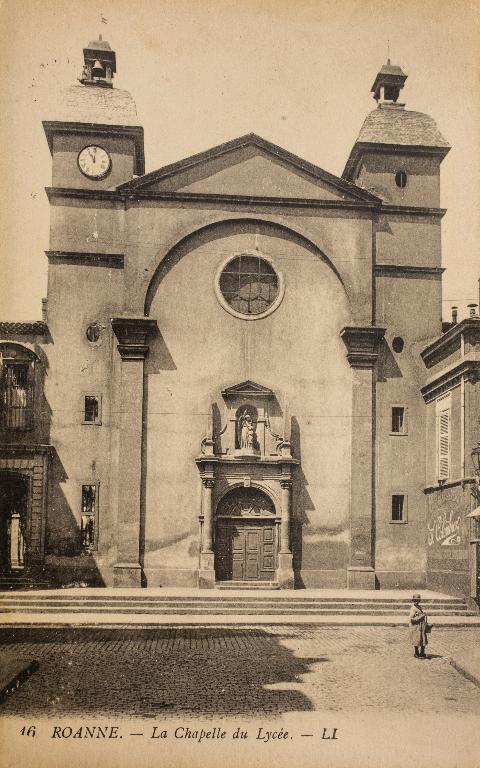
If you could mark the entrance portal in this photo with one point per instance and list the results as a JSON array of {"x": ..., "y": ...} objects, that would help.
[
  {"x": 246, "y": 537},
  {"x": 13, "y": 516}
]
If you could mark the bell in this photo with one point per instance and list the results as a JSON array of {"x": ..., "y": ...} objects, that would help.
[{"x": 97, "y": 70}]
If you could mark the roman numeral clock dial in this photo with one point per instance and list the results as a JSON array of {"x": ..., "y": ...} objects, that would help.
[{"x": 94, "y": 162}]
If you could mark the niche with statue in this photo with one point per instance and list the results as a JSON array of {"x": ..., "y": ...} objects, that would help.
[{"x": 251, "y": 425}]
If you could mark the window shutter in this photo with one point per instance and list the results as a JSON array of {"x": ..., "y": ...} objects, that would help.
[{"x": 444, "y": 445}]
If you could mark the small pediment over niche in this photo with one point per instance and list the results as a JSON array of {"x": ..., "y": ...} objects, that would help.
[{"x": 247, "y": 389}]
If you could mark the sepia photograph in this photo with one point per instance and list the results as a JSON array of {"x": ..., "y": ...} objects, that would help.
[{"x": 240, "y": 384}]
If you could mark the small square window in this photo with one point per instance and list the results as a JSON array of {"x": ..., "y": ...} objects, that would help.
[
  {"x": 92, "y": 410},
  {"x": 399, "y": 508},
  {"x": 399, "y": 420}
]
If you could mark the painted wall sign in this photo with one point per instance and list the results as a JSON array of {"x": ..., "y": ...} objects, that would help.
[{"x": 444, "y": 529}]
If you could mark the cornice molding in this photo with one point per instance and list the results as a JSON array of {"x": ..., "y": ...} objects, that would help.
[
  {"x": 112, "y": 260},
  {"x": 439, "y": 348},
  {"x": 205, "y": 463},
  {"x": 362, "y": 343},
  {"x": 54, "y": 193},
  {"x": 132, "y": 333},
  {"x": 125, "y": 197},
  {"x": 447, "y": 380},
  {"x": 400, "y": 270},
  {"x": 450, "y": 484},
  {"x": 10, "y": 449},
  {"x": 363, "y": 147},
  {"x": 413, "y": 210}
]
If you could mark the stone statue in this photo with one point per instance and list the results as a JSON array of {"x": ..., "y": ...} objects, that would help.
[{"x": 247, "y": 431}]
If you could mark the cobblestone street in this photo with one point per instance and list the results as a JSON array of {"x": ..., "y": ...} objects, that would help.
[{"x": 248, "y": 671}]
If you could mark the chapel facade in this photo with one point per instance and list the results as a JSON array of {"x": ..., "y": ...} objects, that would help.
[{"x": 226, "y": 385}]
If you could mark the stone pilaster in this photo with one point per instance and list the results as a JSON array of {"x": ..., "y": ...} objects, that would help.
[
  {"x": 206, "y": 576},
  {"x": 285, "y": 558},
  {"x": 132, "y": 334},
  {"x": 362, "y": 351}
]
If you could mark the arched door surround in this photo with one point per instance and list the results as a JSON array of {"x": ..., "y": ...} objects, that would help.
[{"x": 246, "y": 536}]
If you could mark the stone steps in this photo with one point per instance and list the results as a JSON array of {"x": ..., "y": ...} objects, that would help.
[{"x": 215, "y": 605}]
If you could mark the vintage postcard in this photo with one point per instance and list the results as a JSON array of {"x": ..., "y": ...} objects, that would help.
[{"x": 240, "y": 383}]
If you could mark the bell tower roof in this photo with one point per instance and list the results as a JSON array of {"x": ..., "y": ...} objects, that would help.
[
  {"x": 388, "y": 83},
  {"x": 95, "y": 100},
  {"x": 99, "y": 64}
]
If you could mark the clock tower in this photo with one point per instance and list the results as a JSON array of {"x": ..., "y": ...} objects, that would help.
[{"x": 95, "y": 140}]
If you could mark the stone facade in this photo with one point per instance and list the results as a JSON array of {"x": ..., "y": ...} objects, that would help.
[{"x": 155, "y": 364}]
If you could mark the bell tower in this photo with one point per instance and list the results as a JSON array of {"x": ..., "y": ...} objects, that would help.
[
  {"x": 388, "y": 84},
  {"x": 398, "y": 152},
  {"x": 100, "y": 64},
  {"x": 95, "y": 137}
]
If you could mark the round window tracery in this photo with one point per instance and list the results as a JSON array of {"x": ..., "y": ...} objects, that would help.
[{"x": 248, "y": 286}]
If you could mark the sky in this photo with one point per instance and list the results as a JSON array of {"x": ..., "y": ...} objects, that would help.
[{"x": 296, "y": 72}]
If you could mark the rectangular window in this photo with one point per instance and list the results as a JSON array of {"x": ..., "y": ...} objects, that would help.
[
  {"x": 89, "y": 517},
  {"x": 399, "y": 508},
  {"x": 17, "y": 395},
  {"x": 443, "y": 446},
  {"x": 399, "y": 420},
  {"x": 92, "y": 410}
]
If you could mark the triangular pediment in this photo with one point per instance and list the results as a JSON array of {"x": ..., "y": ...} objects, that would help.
[
  {"x": 247, "y": 389},
  {"x": 248, "y": 167}
]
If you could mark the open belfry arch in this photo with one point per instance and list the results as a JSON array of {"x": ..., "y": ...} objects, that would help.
[{"x": 228, "y": 375}]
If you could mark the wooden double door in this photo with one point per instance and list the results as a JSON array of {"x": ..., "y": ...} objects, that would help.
[{"x": 245, "y": 550}]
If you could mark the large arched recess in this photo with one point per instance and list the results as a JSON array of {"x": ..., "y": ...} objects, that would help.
[
  {"x": 215, "y": 231},
  {"x": 296, "y": 351}
]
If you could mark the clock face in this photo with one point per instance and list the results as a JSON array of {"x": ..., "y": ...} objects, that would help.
[{"x": 94, "y": 162}]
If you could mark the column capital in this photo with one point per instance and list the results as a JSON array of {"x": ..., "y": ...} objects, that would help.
[
  {"x": 208, "y": 482},
  {"x": 132, "y": 333},
  {"x": 362, "y": 343},
  {"x": 285, "y": 483}
]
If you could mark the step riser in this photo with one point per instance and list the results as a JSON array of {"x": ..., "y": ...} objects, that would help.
[
  {"x": 243, "y": 603},
  {"x": 220, "y": 603},
  {"x": 222, "y": 611},
  {"x": 212, "y": 598}
]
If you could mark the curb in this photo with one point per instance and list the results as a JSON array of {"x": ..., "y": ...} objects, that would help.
[
  {"x": 464, "y": 672},
  {"x": 221, "y": 621},
  {"x": 15, "y": 678}
]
